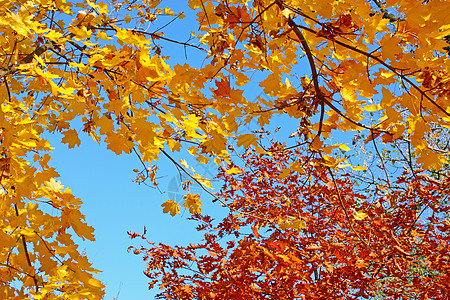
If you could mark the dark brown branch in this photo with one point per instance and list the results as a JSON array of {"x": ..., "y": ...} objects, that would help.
[
  {"x": 27, "y": 255},
  {"x": 27, "y": 59}
]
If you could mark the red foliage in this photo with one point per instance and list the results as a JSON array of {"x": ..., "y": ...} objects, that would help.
[{"x": 354, "y": 245}]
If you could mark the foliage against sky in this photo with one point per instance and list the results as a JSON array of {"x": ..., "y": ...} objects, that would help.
[
  {"x": 380, "y": 68},
  {"x": 306, "y": 234}
]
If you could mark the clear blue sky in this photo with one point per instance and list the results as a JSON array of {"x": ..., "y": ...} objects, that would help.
[{"x": 113, "y": 205}]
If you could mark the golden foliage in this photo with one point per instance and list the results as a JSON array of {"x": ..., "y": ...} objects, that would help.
[{"x": 91, "y": 62}]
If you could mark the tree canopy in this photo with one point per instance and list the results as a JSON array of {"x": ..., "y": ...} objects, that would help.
[
  {"x": 310, "y": 235},
  {"x": 308, "y": 216}
]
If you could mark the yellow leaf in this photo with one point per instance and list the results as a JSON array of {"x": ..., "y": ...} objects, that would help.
[
  {"x": 329, "y": 161},
  {"x": 71, "y": 138},
  {"x": 297, "y": 167},
  {"x": 102, "y": 35},
  {"x": 192, "y": 202},
  {"x": 171, "y": 207},
  {"x": 344, "y": 147},
  {"x": 53, "y": 35},
  {"x": 54, "y": 185},
  {"x": 101, "y": 7},
  {"x": 202, "y": 159},
  {"x": 62, "y": 272},
  {"x": 293, "y": 223},
  {"x": 284, "y": 173},
  {"x": 203, "y": 181},
  {"x": 358, "y": 168},
  {"x": 168, "y": 12},
  {"x": 429, "y": 159},
  {"x": 95, "y": 282},
  {"x": 261, "y": 150},
  {"x": 80, "y": 33},
  {"x": 216, "y": 145},
  {"x": 118, "y": 143},
  {"x": 360, "y": 215},
  {"x": 247, "y": 140},
  {"x": 316, "y": 145},
  {"x": 372, "y": 107},
  {"x": 233, "y": 170},
  {"x": 185, "y": 164}
]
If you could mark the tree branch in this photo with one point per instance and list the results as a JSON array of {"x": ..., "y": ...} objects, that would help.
[{"x": 27, "y": 59}]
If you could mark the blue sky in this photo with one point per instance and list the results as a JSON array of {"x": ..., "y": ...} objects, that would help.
[{"x": 114, "y": 204}]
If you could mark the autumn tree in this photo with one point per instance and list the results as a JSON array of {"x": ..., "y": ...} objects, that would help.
[
  {"x": 308, "y": 234},
  {"x": 377, "y": 69}
]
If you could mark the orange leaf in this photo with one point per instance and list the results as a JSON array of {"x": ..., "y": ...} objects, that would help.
[{"x": 71, "y": 138}]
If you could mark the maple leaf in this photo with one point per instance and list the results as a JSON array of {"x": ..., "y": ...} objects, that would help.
[
  {"x": 284, "y": 173},
  {"x": 360, "y": 215},
  {"x": 223, "y": 88},
  {"x": 118, "y": 143},
  {"x": 246, "y": 140},
  {"x": 54, "y": 185},
  {"x": 71, "y": 138},
  {"x": 233, "y": 170},
  {"x": 171, "y": 207},
  {"x": 192, "y": 202},
  {"x": 293, "y": 223}
]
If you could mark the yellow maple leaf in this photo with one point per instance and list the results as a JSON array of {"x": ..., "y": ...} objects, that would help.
[
  {"x": 102, "y": 35},
  {"x": 293, "y": 223},
  {"x": 233, "y": 170},
  {"x": 202, "y": 159},
  {"x": 297, "y": 167},
  {"x": 360, "y": 215},
  {"x": 54, "y": 185},
  {"x": 192, "y": 202},
  {"x": 118, "y": 143},
  {"x": 168, "y": 11},
  {"x": 344, "y": 147},
  {"x": 80, "y": 33},
  {"x": 284, "y": 173},
  {"x": 216, "y": 145},
  {"x": 185, "y": 164},
  {"x": 357, "y": 168},
  {"x": 71, "y": 138},
  {"x": 171, "y": 207},
  {"x": 95, "y": 282},
  {"x": 247, "y": 140}
]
